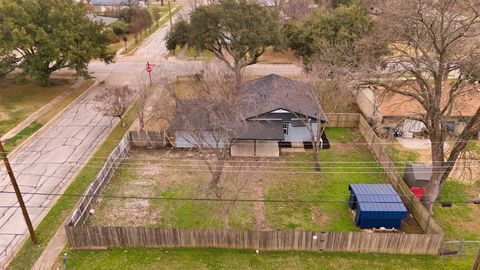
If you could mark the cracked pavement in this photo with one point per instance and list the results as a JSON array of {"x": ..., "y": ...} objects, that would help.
[{"x": 46, "y": 164}]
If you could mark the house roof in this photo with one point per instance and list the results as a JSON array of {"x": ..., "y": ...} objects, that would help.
[
  {"x": 263, "y": 95},
  {"x": 112, "y": 2},
  {"x": 377, "y": 198},
  {"x": 102, "y": 19},
  {"x": 274, "y": 92},
  {"x": 196, "y": 116},
  {"x": 399, "y": 105},
  {"x": 420, "y": 171}
]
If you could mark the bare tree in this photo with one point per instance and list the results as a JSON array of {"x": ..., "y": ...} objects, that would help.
[
  {"x": 115, "y": 101},
  {"x": 143, "y": 102},
  {"x": 140, "y": 23},
  {"x": 211, "y": 121},
  {"x": 434, "y": 61},
  {"x": 329, "y": 93},
  {"x": 233, "y": 185}
]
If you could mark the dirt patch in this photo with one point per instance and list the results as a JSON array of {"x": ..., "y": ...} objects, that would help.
[
  {"x": 474, "y": 224},
  {"x": 259, "y": 208},
  {"x": 319, "y": 217},
  {"x": 3, "y": 115}
]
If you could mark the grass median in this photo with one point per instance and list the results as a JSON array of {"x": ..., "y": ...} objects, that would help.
[
  {"x": 29, "y": 253},
  {"x": 44, "y": 118}
]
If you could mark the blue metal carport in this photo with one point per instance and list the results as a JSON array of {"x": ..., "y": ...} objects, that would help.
[{"x": 376, "y": 205}]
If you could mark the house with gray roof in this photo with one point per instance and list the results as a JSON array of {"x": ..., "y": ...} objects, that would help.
[
  {"x": 102, "y": 19},
  {"x": 103, "y": 5},
  {"x": 274, "y": 115}
]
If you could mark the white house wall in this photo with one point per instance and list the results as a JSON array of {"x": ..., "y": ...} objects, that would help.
[
  {"x": 184, "y": 139},
  {"x": 366, "y": 102}
]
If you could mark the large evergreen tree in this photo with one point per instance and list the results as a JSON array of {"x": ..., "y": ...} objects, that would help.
[
  {"x": 236, "y": 32},
  {"x": 48, "y": 35},
  {"x": 326, "y": 28}
]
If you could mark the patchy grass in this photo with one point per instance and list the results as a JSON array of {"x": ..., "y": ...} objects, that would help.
[
  {"x": 167, "y": 174},
  {"x": 22, "y": 135},
  {"x": 28, "y": 253},
  {"x": 18, "y": 101},
  {"x": 402, "y": 157},
  {"x": 187, "y": 258},
  {"x": 342, "y": 164},
  {"x": 275, "y": 57},
  {"x": 460, "y": 222},
  {"x": 182, "y": 174},
  {"x": 191, "y": 54}
]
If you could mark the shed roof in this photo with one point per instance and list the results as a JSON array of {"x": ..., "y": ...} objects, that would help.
[
  {"x": 421, "y": 171},
  {"x": 377, "y": 198}
]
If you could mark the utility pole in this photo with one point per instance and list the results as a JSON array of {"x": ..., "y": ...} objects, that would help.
[
  {"x": 476, "y": 264},
  {"x": 170, "y": 14},
  {"x": 3, "y": 154}
]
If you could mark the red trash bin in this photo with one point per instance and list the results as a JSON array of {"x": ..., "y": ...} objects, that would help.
[{"x": 418, "y": 192}]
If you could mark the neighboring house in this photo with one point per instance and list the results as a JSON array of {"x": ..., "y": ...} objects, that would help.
[
  {"x": 102, "y": 19},
  {"x": 104, "y": 5},
  {"x": 273, "y": 114},
  {"x": 392, "y": 109}
]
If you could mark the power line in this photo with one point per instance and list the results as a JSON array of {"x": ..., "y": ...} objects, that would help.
[{"x": 231, "y": 200}]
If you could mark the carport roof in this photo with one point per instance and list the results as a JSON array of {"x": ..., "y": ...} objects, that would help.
[
  {"x": 262, "y": 130},
  {"x": 377, "y": 198}
]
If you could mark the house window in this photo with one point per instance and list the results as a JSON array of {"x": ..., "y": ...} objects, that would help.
[{"x": 285, "y": 128}]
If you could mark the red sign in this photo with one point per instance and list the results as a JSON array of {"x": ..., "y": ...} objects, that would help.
[{"x": 149, "y": 67}]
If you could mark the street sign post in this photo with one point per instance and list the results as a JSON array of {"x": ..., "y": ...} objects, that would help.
[{"x": 149, "y": 70}]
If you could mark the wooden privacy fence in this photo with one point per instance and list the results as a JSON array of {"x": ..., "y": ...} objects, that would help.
[
  {"x": 379, "y": 149},
  {"x": 100, "y": 182},
  {"x": 343, "y": 120},
  {"x": 87, "y": 237},
  {"x": 151, "y": 139}
]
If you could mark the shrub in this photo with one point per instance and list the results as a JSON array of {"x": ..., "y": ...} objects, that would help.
[{"x": 119, "y": 28}]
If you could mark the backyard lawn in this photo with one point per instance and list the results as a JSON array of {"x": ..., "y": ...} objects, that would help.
[{"x": 182, "y": 174}]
